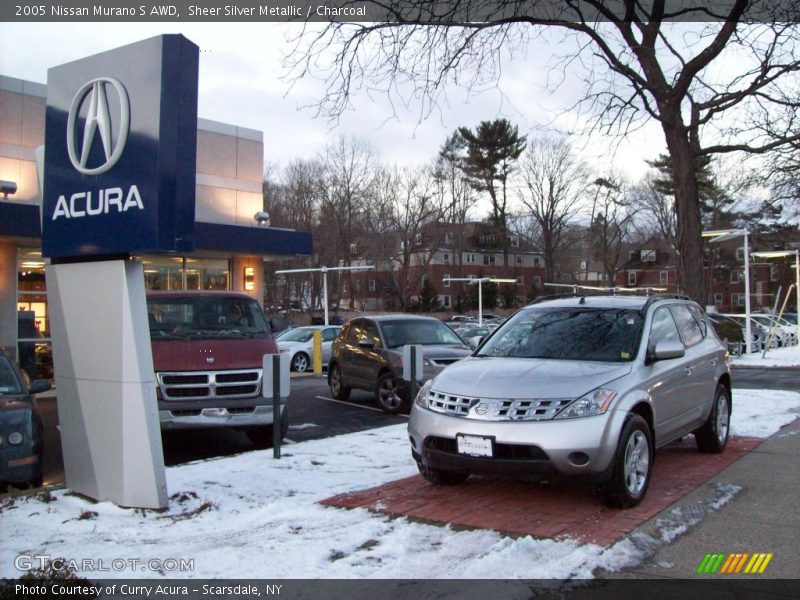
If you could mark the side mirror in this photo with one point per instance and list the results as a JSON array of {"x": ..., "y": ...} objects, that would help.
[
  {"x": 39, "y": 385},
  {"x": 366, "y": 344},
  {"x": 474, "y": 343},
  {"x": 667, "y": 349}
]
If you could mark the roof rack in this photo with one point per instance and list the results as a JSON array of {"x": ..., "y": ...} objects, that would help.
[{"x": 612, "y": 290}]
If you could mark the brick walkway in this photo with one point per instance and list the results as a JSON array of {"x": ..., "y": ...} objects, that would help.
[{"x": 568, "y": 510}]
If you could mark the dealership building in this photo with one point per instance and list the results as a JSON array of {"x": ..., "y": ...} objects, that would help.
[{"x": 232, "y": 242}]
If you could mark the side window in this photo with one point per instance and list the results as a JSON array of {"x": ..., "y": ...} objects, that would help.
[
  {"x": 370, "y": 333},
  {"x": 354, "y": 332},
  {"x": 690, "y": 329},
  {"x": 701, "y": 318},
  {"x": 328, "y": 335},
  {"x": 662, "y": 328}
]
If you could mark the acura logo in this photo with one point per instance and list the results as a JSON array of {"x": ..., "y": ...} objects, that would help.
[{"x": 98, "y": 121}]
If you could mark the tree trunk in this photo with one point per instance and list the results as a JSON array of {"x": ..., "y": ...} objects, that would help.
[{"x": 691, "y": 274}]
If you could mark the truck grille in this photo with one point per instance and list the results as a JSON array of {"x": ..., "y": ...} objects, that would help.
[
  {"x": 493, "y": 409},
  {"x": 210, "y": 384}
]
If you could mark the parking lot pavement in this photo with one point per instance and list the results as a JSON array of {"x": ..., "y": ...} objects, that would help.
[{"x": 762, "y": 517}]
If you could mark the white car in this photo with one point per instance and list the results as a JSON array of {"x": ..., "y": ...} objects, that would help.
[
  {"x": 299, "y": 343},
  {"x": 788, "y": 329}
]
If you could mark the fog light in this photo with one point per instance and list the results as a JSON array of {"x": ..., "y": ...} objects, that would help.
[
  {"x": 578, "y": 459},
  {"x": 15, "y": 438}
]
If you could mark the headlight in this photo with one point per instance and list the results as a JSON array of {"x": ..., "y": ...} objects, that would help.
[
  {"x": 15, "y": 438},
  {"x": 594, "y": 403},
  {"x": 422, "y": 395}
]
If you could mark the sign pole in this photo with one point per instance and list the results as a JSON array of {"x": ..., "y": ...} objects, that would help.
[{"x": 276, "y": 406}]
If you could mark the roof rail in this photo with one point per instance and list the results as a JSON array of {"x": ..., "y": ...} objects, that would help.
[
  {"x": 612, "y": 290},
  {"x": 656, "y": 297}
]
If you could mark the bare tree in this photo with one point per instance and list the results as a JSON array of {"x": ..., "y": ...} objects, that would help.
[
  {"x": 456, "y": 194},
  {"x": 406, "y": 206},
  {"x": 554, "y": 184},
  {"x": 349, "y": 170},
  {"x": 611, "y": 226},
  {"x": 636, "y": 63}
]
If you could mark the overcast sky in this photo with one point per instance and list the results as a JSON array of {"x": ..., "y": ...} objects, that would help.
[{"x": 242, "y": 82}]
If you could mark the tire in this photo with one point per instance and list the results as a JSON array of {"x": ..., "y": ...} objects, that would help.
[
  {"x": 300, "y": 362},
  {"x": 261, "y": 436},
  {"x": 335, "y": 381},
  {"x": 631, "y": 467},
  {"x": 440, "y": 477},
  {"x": 713, "y": 436},
  {"x": 388, "y": 397}
]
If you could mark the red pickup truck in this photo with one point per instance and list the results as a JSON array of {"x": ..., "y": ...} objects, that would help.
[{"x": 208, "y": 350}]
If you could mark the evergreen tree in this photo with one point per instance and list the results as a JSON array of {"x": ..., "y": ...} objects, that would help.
[
  {"x": 491, "y": 153},
  {"x": 428, "y": 297}
]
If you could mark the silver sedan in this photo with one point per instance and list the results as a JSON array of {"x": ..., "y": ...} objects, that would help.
[{"x": 299, "y": 343}]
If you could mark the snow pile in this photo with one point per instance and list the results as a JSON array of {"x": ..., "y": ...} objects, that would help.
[
  {"x": 779, "y": 357},
  {"x": 250, "y": 516}
]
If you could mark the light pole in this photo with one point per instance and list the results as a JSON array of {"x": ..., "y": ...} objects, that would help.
[
  {"x": 480, "y": 281},
  {"x": 324, "y": 271},
  {"x": 781, "y": 253},
  {"x": 723, "y": 235}
]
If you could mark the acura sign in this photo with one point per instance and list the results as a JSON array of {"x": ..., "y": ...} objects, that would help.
[
  {"x": 120, "y": 152},
  {"x": 98, "y": 122}
]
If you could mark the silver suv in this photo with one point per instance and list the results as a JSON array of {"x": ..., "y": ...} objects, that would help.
[{"x": 587, "y": 385}]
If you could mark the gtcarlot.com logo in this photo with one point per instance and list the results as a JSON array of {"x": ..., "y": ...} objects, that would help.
[
  {"x": 735, "y": 564},
  {"x": 29, "y": 562}
]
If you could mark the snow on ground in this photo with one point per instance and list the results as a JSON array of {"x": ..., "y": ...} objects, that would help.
[
  {"x": 252, "y": 516},
  {"x": 780, "y": 357}
]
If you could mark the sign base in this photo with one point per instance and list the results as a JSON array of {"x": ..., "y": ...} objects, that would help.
[{"x": 107, "y": 406}]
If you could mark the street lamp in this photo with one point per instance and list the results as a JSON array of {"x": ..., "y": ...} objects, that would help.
[
  {"x": 724, "y": 235},
  {"x": 480, "y": 281},
  {"x": 781, "y": 253},
  {"x": 324, "y": 271}
]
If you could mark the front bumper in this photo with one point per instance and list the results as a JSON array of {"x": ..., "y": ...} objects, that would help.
[
  {"x": 20, "y": 467},
  {"x": 228, "y": 416},
  {"x": 583, "y": 446}
]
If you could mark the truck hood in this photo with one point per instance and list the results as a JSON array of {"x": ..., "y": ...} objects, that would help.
[
  {"x": 526, "y": 377},
  {"x": 210, "y": 355}
]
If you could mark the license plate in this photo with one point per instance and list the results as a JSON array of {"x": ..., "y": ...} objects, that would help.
[{"x": 474, "y": 445}]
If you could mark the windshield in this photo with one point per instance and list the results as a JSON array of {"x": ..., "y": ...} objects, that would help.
[
  {"x": 9, "y": 383},
  {"x": 574, "y": 333},
  {"x": 299, "y": 334},
  {"x": 411, "y": 331},
  {"x": 207, "y": 317}
]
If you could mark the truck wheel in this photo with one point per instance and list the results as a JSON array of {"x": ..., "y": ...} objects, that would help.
[
  {"x": 338, "y": 389},
  {"x": 632, "y": 465},
  {"x": 440, "y": 477},
  {"x": 388, "y": 395},
  {"x": 300, "y": 362},
  {"x": 261, "y": 435},
  {"x": 712, "y": 437}
]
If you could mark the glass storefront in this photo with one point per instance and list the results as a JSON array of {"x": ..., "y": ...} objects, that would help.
[
  {"x": 179, "y": 273},
  {"x": 33, "y": 325},
  {"x": 160, "y": 273}
]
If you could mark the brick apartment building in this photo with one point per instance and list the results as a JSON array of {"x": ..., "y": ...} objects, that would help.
[{"x": 438, "y": 252}]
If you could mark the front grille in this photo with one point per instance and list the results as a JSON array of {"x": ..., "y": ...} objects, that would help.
[
  {"x": 185, "y": 413},
  {"x": 494, "y": 409},
  {"x": 502, "y": 451},
  {"x": 238, "y": 377},
  {"x": 443, "y": 362},
  {"x": 210, "y": 384}
]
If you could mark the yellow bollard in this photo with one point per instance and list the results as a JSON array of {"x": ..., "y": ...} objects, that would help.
[{"x": 317, "y": 352}]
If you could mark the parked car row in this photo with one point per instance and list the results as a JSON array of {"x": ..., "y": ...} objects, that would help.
[{"x": 583, "y": 386}]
